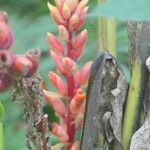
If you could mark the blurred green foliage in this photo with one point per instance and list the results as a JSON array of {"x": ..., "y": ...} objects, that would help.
[
  {"x": 30, "y": 22},
  {"x": 125, "y": 10},
  {"x": 1, "y": 127}
]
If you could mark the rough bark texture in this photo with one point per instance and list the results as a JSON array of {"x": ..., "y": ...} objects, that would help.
[{"x": 104, "y": 107}]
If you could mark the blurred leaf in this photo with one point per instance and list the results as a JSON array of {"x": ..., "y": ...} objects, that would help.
[
  {"x": 1, "y": 112},
  {"x": 1, "y": 127},
  {"x": 29, "y": 34},
  {"x": 124, "y": 10},
  {"x": 54, "y": 140},
  {"x": 15, "y": 137}
]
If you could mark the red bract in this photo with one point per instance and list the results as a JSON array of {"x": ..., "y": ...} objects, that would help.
[
  {"x": 54, "y": 100},
  {"x": 58, "y": 83},
  {"x": 77, "y": 101},
  {"x": 69, "y": 16},
  {"x": 54, "y": 44},
  {"x": 60, "y": 132},
  {"x": 26, "y": 64},
  {"x": 6, "y": 37},
  {"x": 81, "y": 77}
]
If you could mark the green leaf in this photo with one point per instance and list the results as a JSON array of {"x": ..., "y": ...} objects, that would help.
[
  {"x": 1, "y": 112},
  {"x": 124, "y": 10},
  {"x": 1, "y": 127}
]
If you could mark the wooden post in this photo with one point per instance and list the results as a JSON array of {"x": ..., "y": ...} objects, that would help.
[{"x": 104, "y": 106}]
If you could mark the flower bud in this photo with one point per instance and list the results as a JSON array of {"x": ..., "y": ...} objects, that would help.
[
  {"x": 6, "y": 59},
  {"x": 59, "y": 131},
  {"x": 78, "y": 53},
  {"x": 82, "y": 18},
  {"x": 6, "y": 37},
  {"x": 54, "y": 100},
  {"x": 21, "y": 65},
  {"x": 34, "y": 56},
  {"x": 55, "y": 44},
  {"x": 75, "y": 146},
  {"x": 74, "y": 20},
  {"x": 58, "y": 83},
  {"x": 59, "y": 3},
  {"x": 4, "y": 82},
  {"x": 66, "y": 65},
  {"x": 82, "y": 76},
  {"x": 3, "y": 18},
  {"x": 63, "y": 32},
  {"x": 77, "y": 101},
  {"x": 56, "y": 14},
  {"x": 69, "y": 66},
  {"x": 80, "y": 40},
  {"x": 72, "y": 4},
  {"x": 82, "y": 4},
  {"x": 58, "y": 61},
  {"x": 79, "y": 97},
  {"x": 66, "y": 11}
]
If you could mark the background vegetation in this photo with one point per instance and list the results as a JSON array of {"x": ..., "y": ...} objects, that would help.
[{"x": 30, "y": 21}]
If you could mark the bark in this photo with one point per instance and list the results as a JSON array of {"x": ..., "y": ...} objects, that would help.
[{"x": 104, "y": 108}]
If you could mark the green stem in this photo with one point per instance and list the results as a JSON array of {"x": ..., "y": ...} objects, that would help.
[{"x": 132, "y": 104}]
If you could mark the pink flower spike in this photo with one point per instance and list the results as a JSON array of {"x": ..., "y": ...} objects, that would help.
[
  {"x": 56, "y": 14},
  {"x": 59, "y": 131},
  {"x": 4, "y": 82},
  {"x": 80, "y": 40},
  {"x": 75, "y": 146},
  {"x": 82, "y": 76},
  {"x": 54, "y": 100},
  {"x": 55, "y": 44},
  {"x": 58, "y": 83}
]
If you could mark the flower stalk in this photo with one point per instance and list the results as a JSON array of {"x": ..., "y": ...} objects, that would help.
[{"x": 69, "y": 17}]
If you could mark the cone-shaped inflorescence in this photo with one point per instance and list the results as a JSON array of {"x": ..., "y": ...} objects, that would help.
[{"x": 68, "y": 103}]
